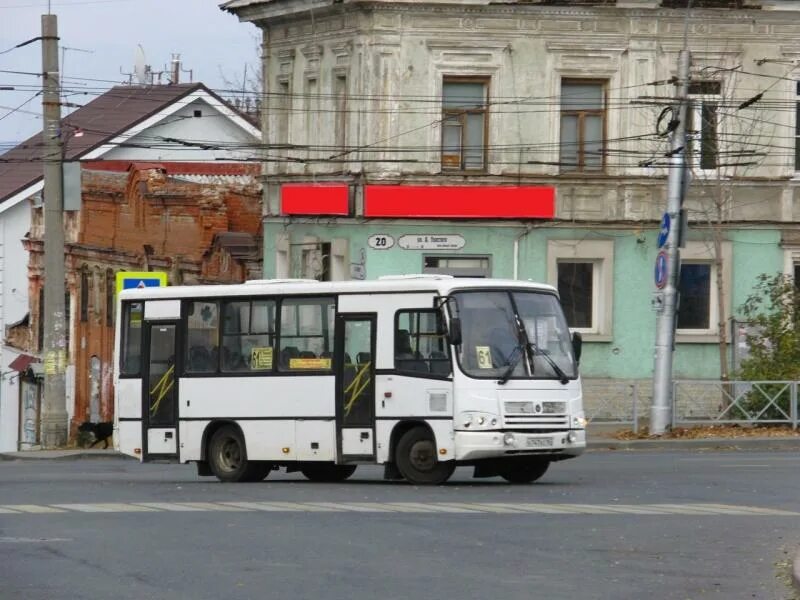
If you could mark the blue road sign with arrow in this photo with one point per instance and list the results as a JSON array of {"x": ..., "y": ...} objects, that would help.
[{"x": 664, "y": 231}]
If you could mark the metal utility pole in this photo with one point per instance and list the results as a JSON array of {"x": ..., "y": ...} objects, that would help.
[
  {"x": 54, "y": 408},
  {"x": 668, "y": 260}
]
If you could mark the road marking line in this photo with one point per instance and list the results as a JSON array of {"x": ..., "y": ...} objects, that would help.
[
  {"x": 460, "y": 507},
  {"x": 22, "y": 540},
  {"x": 419, "y": 507},
  {"x": 104, "y": 507},
  {"x": 552, "y": 509},
  {"x": 301, "y": 507},
  {"x": 31, "y": 508},
  {"x": 262, "y": 506},
  {"x": 213, "y": 506},
  {"x": 169, "y": 506},
  {"x": 8, "y": 511},
  {"x": 625, "y": 509},
  {"x": 353, "y": 507}
]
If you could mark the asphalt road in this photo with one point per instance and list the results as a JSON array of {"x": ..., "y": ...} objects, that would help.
[{"x": 613, "y": 525}]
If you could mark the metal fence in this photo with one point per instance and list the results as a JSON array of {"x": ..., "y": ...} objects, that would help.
[
  {"x": 705, "y": 402},
  {"x": 694, "y": 402}
]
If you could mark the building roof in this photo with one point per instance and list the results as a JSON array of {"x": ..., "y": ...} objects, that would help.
[{"x": 101, "y": 121}]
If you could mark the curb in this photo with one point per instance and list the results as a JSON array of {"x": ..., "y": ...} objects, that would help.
[
  {"x": 792, "y": 443},
  {"x": 61, "y": 455},
  {"x": 796, "y": 571}
]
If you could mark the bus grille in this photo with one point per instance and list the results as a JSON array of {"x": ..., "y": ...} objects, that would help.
[{"x": 536, "y": 414}]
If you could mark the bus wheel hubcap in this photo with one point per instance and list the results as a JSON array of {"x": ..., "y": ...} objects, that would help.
[
  {"x": 230, "y": 455},
  {"x": 422, "y": 455}
]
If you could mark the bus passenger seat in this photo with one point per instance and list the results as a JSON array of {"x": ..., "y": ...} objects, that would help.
[
  {"x": 307, "y": 354},
  {"x": 440, "y": 364}
]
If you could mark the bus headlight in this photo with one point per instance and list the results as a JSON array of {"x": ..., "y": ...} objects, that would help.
[
  {"x": 509, "y": 439},
  {"x": 579, "y": 421},
  {"x": 476, "y": 420}
]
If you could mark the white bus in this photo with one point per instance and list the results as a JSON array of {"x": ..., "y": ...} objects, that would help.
[{"x": 417, "y": 373}]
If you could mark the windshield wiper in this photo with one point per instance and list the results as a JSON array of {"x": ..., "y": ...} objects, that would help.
[
  {"x": 513, "y": 361},
  {"x": 556, "y": 369}
]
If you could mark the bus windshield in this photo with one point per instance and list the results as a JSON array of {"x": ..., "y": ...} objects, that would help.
[{"x": 513, "y": 334}]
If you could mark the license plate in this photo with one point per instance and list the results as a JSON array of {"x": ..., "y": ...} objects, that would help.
[{"x": 533, "y": 442}]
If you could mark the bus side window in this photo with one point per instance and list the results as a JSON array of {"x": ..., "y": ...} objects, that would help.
[
  {"x": 202, "y": 337},
  {"x": 420, "y": 343},
  {"x": 130, "y": 361}
]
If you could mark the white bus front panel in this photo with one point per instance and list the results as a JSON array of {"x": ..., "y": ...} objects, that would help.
[
  {"x": 129, "y": 398},
  {"x": 129, "y": 438},
  {"x": 400, "y": 396}
]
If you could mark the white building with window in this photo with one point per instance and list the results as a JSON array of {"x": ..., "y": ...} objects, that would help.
[{"x": 530, "y": 140}]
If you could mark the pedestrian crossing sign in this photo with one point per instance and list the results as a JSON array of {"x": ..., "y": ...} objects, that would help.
[{"x": 127, "y": 280}]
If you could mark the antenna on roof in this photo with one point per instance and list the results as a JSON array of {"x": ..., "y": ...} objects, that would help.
[{"x": 140, "y": 68}]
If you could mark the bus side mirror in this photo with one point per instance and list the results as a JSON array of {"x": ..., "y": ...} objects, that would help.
[
  {"x": 577, "y": 345},
  {"x": 455, "y": 331}
]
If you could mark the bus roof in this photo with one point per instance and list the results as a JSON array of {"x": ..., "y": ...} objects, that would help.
[{"x": 441, "y": 284}]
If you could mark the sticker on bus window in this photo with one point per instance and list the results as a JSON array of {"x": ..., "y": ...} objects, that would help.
[
  {"x": 261, "y": 359},
  {"x": 309, "y": 363},
  {"x": 484, "y": 357}
]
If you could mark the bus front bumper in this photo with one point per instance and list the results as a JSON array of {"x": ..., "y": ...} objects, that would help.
[{"x": 475, "y": 445}]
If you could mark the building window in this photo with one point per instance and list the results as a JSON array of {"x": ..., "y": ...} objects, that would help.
[
  {"x": 797, "y": 130},
  {"x": 282, "y": 112},
  {"x": 703, "y": 125},
  {"x": 457, "y": 266},
  {"x": 84, "y": 295},
  {"x": 583, "y": 114},
  {"x": 694, "y": 310},
  {"x": 464, "y": 123},
  {"x": 582, "y": 271},
  {"x": 420, "y": 343},
  {"x": 110, "y": 297},
  {"x": 576, "y": 289},
  {"x": 698, "y": 302},
  {"x": 340, "y": 113}
]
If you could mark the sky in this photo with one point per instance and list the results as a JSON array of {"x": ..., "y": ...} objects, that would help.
[{"x": 99, "y": 39}]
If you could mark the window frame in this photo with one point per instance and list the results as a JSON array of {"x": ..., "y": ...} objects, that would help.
[
  {"x": 697, "y": 103},
  {"x": 443, "y": 333},
  {"x": 124, "y": 336},
  {"x": 580, "y": 167},
  {"x": 703, "y": 252},
  {"x": 601, "y": 254},
  {"x": 797, "y": 128},
  {"x": 449, "y": 113}
]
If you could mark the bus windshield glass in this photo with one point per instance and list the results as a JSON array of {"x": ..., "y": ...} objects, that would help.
[{"x": 512, "y": 334}]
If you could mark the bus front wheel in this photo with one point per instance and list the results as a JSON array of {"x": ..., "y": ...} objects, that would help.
[
  {"x": 227, "y": 457},
  {"x": 417, "y": 459},
  {"x": 527, "y": 471}
]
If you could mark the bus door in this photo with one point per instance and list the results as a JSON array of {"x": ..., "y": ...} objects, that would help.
[
  {"x": 160, "y": 391},
  {"x": 355, "y": 387}
]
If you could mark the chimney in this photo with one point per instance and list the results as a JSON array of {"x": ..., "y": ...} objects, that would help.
[{"x": 176, "y": 68}]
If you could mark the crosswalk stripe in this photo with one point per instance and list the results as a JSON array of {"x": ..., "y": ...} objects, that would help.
[
  {"x": 302, "y": 507},
  {"x": 170, "y": 507},
  {"x": 8, "y": 511},
  {"x": 263, "y": 506},
  {"x": 31, "y": 508}
]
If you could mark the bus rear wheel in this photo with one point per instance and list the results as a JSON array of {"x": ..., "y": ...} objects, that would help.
[
  {"x": 527, "y": 471},
  {"x": 417, "y": 460},
  {"x": 329, "y": 473},
  {"x": 227, "y": 458}
]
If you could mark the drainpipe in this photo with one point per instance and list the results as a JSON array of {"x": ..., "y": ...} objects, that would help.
[{"x": 528, "y": 229}]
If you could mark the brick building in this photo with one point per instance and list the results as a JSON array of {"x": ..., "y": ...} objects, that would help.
[{"x": 199, "y": 222}]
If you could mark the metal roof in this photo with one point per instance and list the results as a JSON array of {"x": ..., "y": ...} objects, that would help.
[{"x": 101, "y": 120}]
